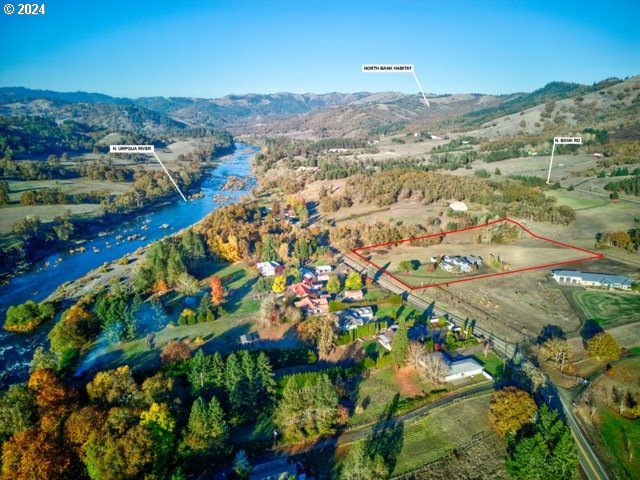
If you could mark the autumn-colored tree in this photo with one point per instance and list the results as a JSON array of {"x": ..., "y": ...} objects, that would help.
[
  {"x": 157, "y": 388},
  {"x": 217, "y": 290},
  {"x": 159, "y": 421},
  {"x": 354, "y": 281},
  {"x": 161, "y": 287},
  {"x": 35, "y": 454},
  {"x": 620, "y": 239},
  {"x": 279, "y": 284},
  {"x": 52, "y": 397},
  {"x": 175, "y": 351},
  {"x": 333, "y": 285},
  {"x": 603, "y": 347},
  {"x": 229, "y": 250},
  {"x": 283, "y": 252},
  {"x": 113, "y": 387},
  {"x": 326, "y": 336},
  {"x": 555, "y": 352},
  {"x": 82, "y": 424},
  {"x": 510, "y": 409}
]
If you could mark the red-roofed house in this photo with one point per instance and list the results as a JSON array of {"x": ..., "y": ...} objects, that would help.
[
  {"x": 313, "y": 306},
  {"x": 299, "y": 290}
]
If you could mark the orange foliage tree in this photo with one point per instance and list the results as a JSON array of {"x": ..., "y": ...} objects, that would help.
[
  {"x": 217, "y": 291},
  {"x": 175, "y": 351}
]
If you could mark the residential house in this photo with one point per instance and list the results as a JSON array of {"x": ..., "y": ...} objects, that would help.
[
  {"x": 458, "y": 369},
  {"x": 459, "y": 264},
  {"x": 587, "y": 279},
  {"x": 353, "y": 295},
  {"x": 313, "y": 306},
  {"x": 249, "y": 338},
  {"x": 417, "y": 333},
  {"x": 299, "y": 290},
  {"x": 269, "y": 269},
  {"x": 352, "y": 318},
  {"x": 278, "y": 470},
  {"x": 385, "y": 338},
  {"x": 323, "y": 269},
  {"x": 308, "y": 274}
]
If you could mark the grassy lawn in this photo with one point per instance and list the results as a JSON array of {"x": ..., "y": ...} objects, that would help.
[
  {"x": 374, "y": 393},
  {"x": 619, "y": 433},
  {"x": 432, "y": 436},
  {"x": 492, "y": 364},
  {"x": 219, "y": 335},
  {"x": 423, "y": 441},
  {"x": 577, "y": 200},
  {"x": 402, "y": 312},
  {"x": 607, "y": 308}
]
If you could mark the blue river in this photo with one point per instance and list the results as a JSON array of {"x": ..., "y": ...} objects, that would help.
[{"x": 17, "y": 349}]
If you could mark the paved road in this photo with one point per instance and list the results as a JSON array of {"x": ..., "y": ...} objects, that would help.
[{"x": 589, "y": 461}]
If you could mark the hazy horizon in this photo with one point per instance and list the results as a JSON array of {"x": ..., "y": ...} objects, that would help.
[{"x": 207, "y": 50}]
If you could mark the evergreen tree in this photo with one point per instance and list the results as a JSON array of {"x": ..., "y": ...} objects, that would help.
[
  {"x": 325, "y": 404},
  {"x": 175, "y": 265},
  {"x": 265, "y": 374},
  {"x": 217, "y": 371},
  {"x": 544, "y": 451},
  {"x": 241, "y": 465},
  {"x": 360, "y": 466},
  {"x": 269, "y": 248},
  {"x": 192, "y": 247},
  {"x": 400, "y": 345},
  {"x": 234, "y": 383},
  {"x": 198, "y": 425},
  {"x": 301, "y": 249},
  {"x": 200, "y": 373},
  {"x": 251, "y": 380},
  {"x": 218, "y": 428}
]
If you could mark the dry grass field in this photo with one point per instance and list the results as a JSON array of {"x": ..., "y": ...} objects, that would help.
[{"x": 522, "y": 253}]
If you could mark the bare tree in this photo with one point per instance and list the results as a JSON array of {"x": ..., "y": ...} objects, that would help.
[
  {"x": 326, "y": 336},
  {"x": 590, "y": 401},
  {"x": 486, "y": 348},
  {"x": 534, "y": 375},
  {"x": 416, "y": 354},
  {"x": 434, "y": 368}
]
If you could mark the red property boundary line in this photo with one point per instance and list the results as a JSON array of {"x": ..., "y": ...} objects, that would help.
[{"x": 592, "y": 255}]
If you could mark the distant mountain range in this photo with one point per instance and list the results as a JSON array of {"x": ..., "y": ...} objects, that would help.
[{"x": 303, "y": 115}]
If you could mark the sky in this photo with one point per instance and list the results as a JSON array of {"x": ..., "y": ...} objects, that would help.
[{"x": 218, "y": 47}]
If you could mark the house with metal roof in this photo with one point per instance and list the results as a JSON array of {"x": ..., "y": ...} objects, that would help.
[{"x": 589, "y": 279}]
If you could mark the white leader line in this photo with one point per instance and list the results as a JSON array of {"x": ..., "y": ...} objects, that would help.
[
  {"x": 169, "y": 175},
  {"x": 413, "y": 72}
]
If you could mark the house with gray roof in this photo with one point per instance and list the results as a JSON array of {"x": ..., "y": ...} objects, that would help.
[{"x": 589, "y": 279}]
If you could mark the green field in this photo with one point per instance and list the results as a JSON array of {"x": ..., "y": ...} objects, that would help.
[
  {"x": 432, "y": 436},
  {"x": 607, "y": 308},
  {"x": 492, "y": 364},
  {"x": 423, "y": 441},
  {"x": 577, "y": 200},
  {"x": 619, "y": 434}
]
